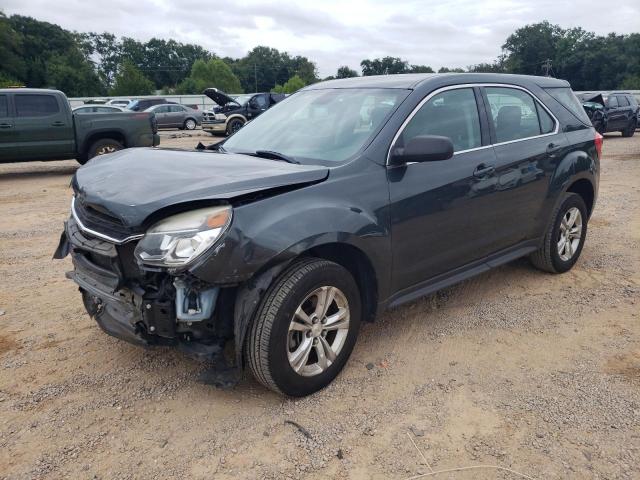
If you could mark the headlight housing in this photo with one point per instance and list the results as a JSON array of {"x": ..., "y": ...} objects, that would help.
[{"x": 178, "y": 240}]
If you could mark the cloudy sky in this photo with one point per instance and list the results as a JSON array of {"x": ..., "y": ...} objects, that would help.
[{"x": 454, "y": 33}]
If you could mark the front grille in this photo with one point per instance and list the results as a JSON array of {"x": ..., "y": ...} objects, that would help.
[{"x": 101, "y": 222}]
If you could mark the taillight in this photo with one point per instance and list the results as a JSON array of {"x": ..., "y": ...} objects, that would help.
[{"x": 599, "y": 140}]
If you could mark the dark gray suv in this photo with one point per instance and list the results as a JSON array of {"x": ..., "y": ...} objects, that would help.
[{"x": 347, "y": 198}]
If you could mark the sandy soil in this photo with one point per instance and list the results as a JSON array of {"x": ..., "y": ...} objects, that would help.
[{"x": 532, "y": 372}]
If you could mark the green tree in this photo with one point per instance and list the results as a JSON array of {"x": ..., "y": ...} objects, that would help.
[
  {"x": 130, "y": 82},
  {"x": 420, "y": 69},
  {"x": 213, "y": 73},
  {"x": 346, "y": 72},
  {"x": 384, "y": 66},
  {"x": 292, "y": 85},
  {"x": 451, "y": 70}
]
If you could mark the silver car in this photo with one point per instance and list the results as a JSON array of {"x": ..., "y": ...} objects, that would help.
[
  {"x": 173, "y": 115},
  {"x": 98, "y": 109}
]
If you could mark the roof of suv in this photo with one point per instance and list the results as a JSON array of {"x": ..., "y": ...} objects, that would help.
[{"x": 412, "y": 80}]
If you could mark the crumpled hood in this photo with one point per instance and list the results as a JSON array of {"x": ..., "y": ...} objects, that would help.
[{"x": 134, "y": 183}]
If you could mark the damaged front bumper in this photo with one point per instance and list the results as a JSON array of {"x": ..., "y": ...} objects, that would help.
[{"x": 144, "y": 307}]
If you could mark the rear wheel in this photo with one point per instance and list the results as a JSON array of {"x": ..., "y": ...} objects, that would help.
[
  {"x": 234, "y": 125},
  {"x": 305, "y": 328},
  {"x": 102, "y": 147},
  {"x": 565, "y": 238},
  {"x": 630, "y": 130},
  {"x": 190, "y": 124}
]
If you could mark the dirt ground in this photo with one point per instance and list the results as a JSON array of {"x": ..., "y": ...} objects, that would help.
[{"x": 535, "y": 373}]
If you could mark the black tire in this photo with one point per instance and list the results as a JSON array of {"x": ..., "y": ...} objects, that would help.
[
  {"x": 630, "y": 130},
  {"x": 547, "y": 258},
  {"x": 234, "y": 125},
  {"x": 190, "y": 124},
  {"x": 103, "y": 146},
  {"x": 267, "y": 346}
]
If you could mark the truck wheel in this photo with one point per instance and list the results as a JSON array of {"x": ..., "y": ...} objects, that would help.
[
  {"x": 234, "y": 125},
  {"x": 305, "y": 328},
  {"x": 565, "y": 238},
  {"x": 190, "y": 124},
  {"x": 103, "y": 146},
  {"x": 630, "y": 130}
]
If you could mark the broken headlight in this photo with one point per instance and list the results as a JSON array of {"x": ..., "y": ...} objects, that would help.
[{"x": 180, "y": 239}]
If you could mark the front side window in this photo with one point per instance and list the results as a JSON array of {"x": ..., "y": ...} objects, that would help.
[
  {"x": 453, "y": 114},
  {"x": 261, "y": 101},
  {"x": 513, "y": 113},
  {"x": 326, "y": 126},
  {"x": 36, "y": 105},
  {"x": 612, "y": 102},
  {"x": 4, "y": 106},
  {"x": 176, "y": 108}
]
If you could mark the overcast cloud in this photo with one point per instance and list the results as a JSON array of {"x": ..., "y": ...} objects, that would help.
[{"x": 454, "y": 33}]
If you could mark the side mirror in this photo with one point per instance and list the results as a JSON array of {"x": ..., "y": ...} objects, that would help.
[{"x": 423, "y": 148}]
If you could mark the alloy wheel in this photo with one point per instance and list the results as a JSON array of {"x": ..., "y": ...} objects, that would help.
[
  {"x": 190, "y": 124},
  {"x": 317, "y": 331},
  {"x": 106, "y": 149},
  {"x": 570, "y": 234}
]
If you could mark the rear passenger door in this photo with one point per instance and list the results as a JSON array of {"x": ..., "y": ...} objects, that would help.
[
  {"x": 43, "y": 126},
  {"x": 527, "y": 144},
  {"x": 8, "y": 146}
]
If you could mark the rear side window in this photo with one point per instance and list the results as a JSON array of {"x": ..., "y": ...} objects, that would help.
[
  {"x": 622, "y": 101},
  {"x": 4, "y": 106},
  {"x": 452, "y": 114},
  {"x": 566, "y": 98},
  {"x": 36, "y": 105},
  {"x": 547, "y": 123},
  {"x": 514, "y": 114}
]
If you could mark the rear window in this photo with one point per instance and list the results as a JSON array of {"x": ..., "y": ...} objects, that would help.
[
  {"x": 4, "y": 106},
  {"x": 566, "y": 98},
  {"x": 36, "y": 105}
]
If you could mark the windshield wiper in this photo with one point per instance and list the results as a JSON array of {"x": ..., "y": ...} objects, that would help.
[{"x": 274, "y": 156}]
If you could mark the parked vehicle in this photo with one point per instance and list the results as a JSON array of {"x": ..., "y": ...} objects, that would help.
[
  {"x": 350, "y": 197},
  {"x": 176, "y": 116},
  {"x": 233, "y": 112},
  {"x": 37, "y": 124},
  {"x": 621, "y": 112},
  {"x": 594, "y": 106},
  {"x": 98, "y": 109},
  {"x": 142, "y": 104},
  {"x": 119, "y": 102}
]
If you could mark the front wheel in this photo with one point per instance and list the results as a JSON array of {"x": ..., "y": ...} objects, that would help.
[
  {"x": 190, "y": 124},
  {"x": 565, "y": 238},
  {"x": 234, "y": 125},
  {"x": 305, "y": 328},
  {"x": 630, "y": 130}
]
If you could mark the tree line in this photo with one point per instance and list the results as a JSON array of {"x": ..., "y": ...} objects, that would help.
[{"x": 40, "y": 54}]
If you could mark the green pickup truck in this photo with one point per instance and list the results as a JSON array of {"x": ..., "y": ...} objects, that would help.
[{"x": 37, "y": 124}]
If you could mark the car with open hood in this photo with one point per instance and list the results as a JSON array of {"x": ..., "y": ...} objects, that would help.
[
  {"x": 233, "y": 111},
  {"x": 349, "y": 197}
]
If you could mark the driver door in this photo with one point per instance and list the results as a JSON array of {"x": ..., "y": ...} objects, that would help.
[{"x": 441, "y": 213}]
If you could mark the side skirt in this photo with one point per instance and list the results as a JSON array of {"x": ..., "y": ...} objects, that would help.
[{"x": 461, "y": 273}]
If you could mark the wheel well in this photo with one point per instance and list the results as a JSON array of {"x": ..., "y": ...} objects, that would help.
[
  {"x": 358, "y": 264},
  {"x": 584, "y": 188},
  {"x": 119, "y": 137}
]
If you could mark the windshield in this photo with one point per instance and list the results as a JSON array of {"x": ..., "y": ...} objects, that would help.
[
  {"x": 241, "y": 99},
  {"x": 328, "y": 125}
]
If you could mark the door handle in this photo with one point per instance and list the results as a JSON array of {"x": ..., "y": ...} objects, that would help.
[
  {"x": 57, "y": 124},
  {"x": 5, "y": 125},
  {"x": 483, "y": 170}
]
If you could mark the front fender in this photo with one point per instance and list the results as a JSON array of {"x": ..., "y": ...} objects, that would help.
[{"x": 262, "y": 236}]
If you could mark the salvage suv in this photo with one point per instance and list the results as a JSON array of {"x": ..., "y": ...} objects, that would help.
[
  {"x": 349, "y": 197},
  {"x": 232, "y": 113}
]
